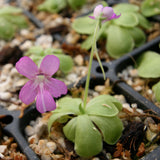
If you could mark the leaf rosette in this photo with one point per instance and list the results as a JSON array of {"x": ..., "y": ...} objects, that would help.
[{"x": 88, "y": 128}]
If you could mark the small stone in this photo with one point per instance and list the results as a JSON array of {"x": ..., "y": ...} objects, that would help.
[
  {"x": 1, "y": 155},
  {"x": 33, "y": 139},
  {"x": 138, "y": 88},
  {"x": 150, "y": 135},
  {"x": 95, "y": 158},
  {"x": 62, "y": 142},
  {"x": 20, "y": 82},
  {"x": 6, "y": 69},
  {"x": 51, "y": 146},
  {"x": 79, "y": 60},
  {"x": 3, "y": 148},
  {"x": 45, "y": 157},
  {"x": 41, "y": 128},
  {"x": 12, "y": 107},
  {"x": 29, "y": 130},
  {"x": 5, "y": 95},
  {"x": 127, "y": 106},
  {"x": 72, "y": 77},
  {"x": 99, "y": 88},
  {"x": 133, "y": 73},
  {"x": 26, "y": 45},
  {"x": 120, "y": 98},
  {"x": 44, "y": 41}
]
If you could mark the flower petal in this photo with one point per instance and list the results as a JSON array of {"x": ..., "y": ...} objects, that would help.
[
  {"x": 107, "y": 12},
  {"x": 98, "y": 11},
  {"x": 28, "y": 92},
  {"x": 56, "y": 87},
  {"x": 45, "y": 101},
  {"x": 49, "y": 65},
  {"x": 92, "y": 17},
  {"x": 26, "y": 67}
]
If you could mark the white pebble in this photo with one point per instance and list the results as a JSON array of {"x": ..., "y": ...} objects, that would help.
[
  {"x": 29, "y": 130},
  {"x": 26, "y": 45},
  {"x": 3, "y": 148},
  {"x": 45, "y": 157},
  {"x": 78, "y": 60},
  {"x": 51, "y": 146},
  {"x": 12, "y": 107},
  {"x": 40, "y": 128},
  {"x": 127, "y": 106},
  {"x": 5, "y": 95},
  {"x": 71, "y": 77},
  {"x": 44, "y": 41},
  {"x": 138, "y": 88}
]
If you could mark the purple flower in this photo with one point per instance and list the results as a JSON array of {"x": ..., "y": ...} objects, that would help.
[
  {"x": 104, "y": 13},
  {"x": 41, "y": 84}
]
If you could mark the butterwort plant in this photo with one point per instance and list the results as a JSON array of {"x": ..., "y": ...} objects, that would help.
[
  {"x": 41, "y": 86},
  {"x": 88, "y": 124}
]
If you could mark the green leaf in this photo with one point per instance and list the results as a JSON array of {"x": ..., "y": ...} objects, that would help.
[
  {"x": 138, "y": 35},
  {"x": 119, "y": 41},
  {"x": 150, "y": 7},
  {"x": 70, "y": 129},
  {"x": 55, "y": 117},
  {"x": 156, "y": 90},
  {"x": 52, "y": 6},
  {"x": 127, "y": 20},
  {"x": 10, "y": 10},
  {"x": 84, "y": 25},
  {"x": 101, "y": 34},
  {"x": 114, "y": 101},
  {"x": 74, "y": 4},
  {"x": 7, "y": 30},
  {"x": 101, "y": 106},
  {"x": 148, "y": 65},
  {"x": 110, "y": 127},
  {"x": 19, "y": 21},
  {"x": 125, "y": 7},
  {"x": 66, "y": 62},
  {"x": 88, "y": 140},
  {"x": 143, "y": 22},
  {"x": 36, "y": 50},
  {"x": 68, "y": 104},
  {"x": 87, "y": 43}
]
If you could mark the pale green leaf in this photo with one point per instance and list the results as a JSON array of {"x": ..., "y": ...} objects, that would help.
[
  {"x": 138, "y": 35},
  {"x": 156, "y": 90},
  {"x": 101, "y": 106},
  {"x": 6, "y": 29},
  {"x": 150, "y": 7},
  {"x": 74, "y": 4},
  {"x": 88, "y": 140},
  {"x": 125, "y": 7},
  {"x": 110, "y": 127},
  {"x": 52, "y": 6},
  {"x": 127, "y": 20},
  {"x": 148, "y": 65},
  {"x": 66, "y": 62},
  {"x": 84, "y": 25},
  {"x": 119, "y": 41},
  {"x": 18, "y": 21},
  {"x": 68, "y": 104},
  {"x": 55, "y": 117},
  {"x": 87, "y": 43},
  {"x": 70, "y": 129},
  {"x": 143, "y": 22},
  {"x": 101, "y": 34},
  {"x": 10, "y": 10},
  {"x": 35, "y": 50}
]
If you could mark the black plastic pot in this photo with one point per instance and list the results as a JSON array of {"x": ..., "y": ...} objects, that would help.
[{"x": 15, "y": 126}]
